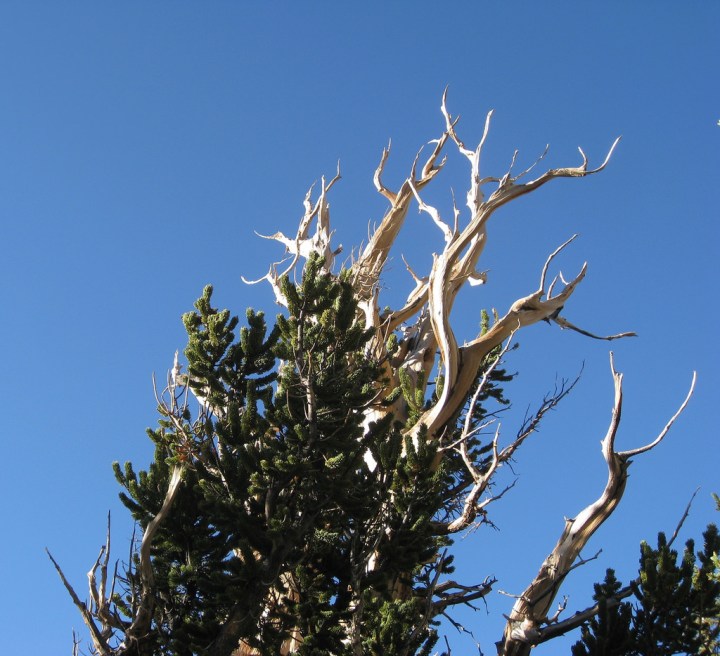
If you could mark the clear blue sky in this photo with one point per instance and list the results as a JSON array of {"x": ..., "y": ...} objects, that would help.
[{"x": 141, "y": 144}]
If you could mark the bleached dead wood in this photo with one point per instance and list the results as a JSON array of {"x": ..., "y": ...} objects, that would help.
[
  {"x": 530, "y": 612},
  {"x": 431, "y": 300}
]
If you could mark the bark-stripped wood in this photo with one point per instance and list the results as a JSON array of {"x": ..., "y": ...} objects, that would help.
[{"x": 530, "y": 612}]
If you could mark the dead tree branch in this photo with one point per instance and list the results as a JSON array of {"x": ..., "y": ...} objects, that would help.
[
  {"x": 530, "y": 612},
  {"x": 96, "y": 635}
]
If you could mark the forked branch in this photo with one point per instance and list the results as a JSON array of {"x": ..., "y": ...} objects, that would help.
[{"x": 530, "y": 612}]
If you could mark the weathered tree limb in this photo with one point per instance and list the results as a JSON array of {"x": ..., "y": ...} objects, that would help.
[
  {"x": 530, "y": 612},
  {"x": 99, "y": 640},
  {"x": 102, "y": 606},
  {"x": 461, "y": 364},
  {"x": 558, "y": 628},
  {"x": 303, "y": 244},
  {"x": 370, "y": 263},
  {"x": 144, "y": 614}
]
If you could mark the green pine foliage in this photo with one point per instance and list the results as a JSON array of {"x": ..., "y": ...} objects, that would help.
[
  {"x": 676, "y": 608},
  {"x": 678, "y": 601},
  {"x": 609, "y": 632},
  {"x": 281, "y": 526}
]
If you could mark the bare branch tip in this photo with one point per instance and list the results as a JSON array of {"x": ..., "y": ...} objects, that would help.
[
  {"x": 610, "y": 152},
  {"x": 584, "y": 157},
  {"x": 258, "y": 234}
]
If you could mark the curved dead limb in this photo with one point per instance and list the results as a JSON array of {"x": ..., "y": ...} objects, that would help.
[
  {"x": 304, "y": 244},
  {"x": 564, "y": 323},
  {"x": 530, "y": 612},
  {"x": 664, "y": 431},
  {"x": 369, "y": 265},
  {"x": 100, "y": 607},
  {"x": 462, "y": 363},
  {"x": 272, "y": 276},
  {"x": 434, "y": 214},
  {"x": 377, "y": 178},
  {"x": 100, "y": 641},
  {"x": 578, "y": 619},
  {"x": 143, "y": 617},
  {"x": 549, "y": 260}
]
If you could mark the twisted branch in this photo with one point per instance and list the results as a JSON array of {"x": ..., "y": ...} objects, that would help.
[{"x": 530, "y": 612}]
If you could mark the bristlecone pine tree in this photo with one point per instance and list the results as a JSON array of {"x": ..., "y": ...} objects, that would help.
[{"x": 310, "y": 476}]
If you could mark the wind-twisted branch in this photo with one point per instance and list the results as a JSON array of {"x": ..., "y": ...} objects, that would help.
[{"x": 530, "y": 612}]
